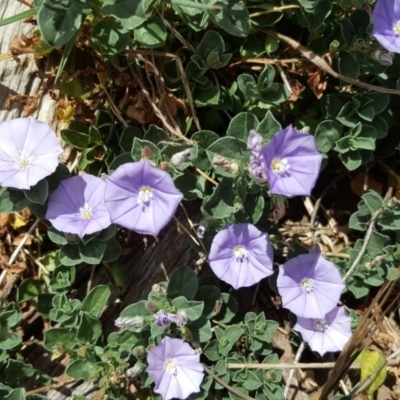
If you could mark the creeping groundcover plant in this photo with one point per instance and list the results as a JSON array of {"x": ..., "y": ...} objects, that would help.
[{"x": 216, "y": 207}]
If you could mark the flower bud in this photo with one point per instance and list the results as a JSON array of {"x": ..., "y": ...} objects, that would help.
[
  {"x": 139, "y": 351},
  {"x": 146, "y": 153},
  {"x": 180, "y": 319},
  {"x": 151, "y": 306},
  {"x": 164, "y": 166},
  {"x": 179, "y": 158},
  {"x": 254, "y": 141},
  {"x": 158, "y": 289},
  {"x": 383, "y": 57},
  {"x": 161, "y": 319},
  {"x": 136, "y": 322}
]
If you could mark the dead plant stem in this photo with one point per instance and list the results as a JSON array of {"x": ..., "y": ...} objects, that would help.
[{"x": 226, "y": 386}]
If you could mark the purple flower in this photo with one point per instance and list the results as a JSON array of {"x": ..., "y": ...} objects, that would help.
[
  {"x": 161, "y": 319},
  {"x": 241, "y": 255},
  {"x": 141, "y": 197},
  {"x": 176, "y": 369},
  {"x": 386, "y": 24},
  {"x": 292, "y": 163},
  {"x": 329, "y": 333},
  {"x": 256, "y": 164},
  {"x": 29, "y": 152},
  {"x": 77, "y": 206},
  {"x": 310, "y": 285}
]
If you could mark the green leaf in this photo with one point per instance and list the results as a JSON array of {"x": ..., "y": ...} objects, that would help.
[
  {"x": 81, "y": 369},
  {"x": 372, "y": 200},
  {"x": 89, "y": 330},
  {"x": 200, "y": 330},
  {"x": 131, "y": 13},
  {"x": 233, "y": 18},
  {"x": 109, "y": 37},
  {"x": 138, "y": 146},
  {"x": 230, "y": 148},
  {"x": 210, "y": 295},
  {"x": 16, "y": 394},
  {"x": 211, "y": 350},
  {"x": 69, "y": 255},
  {"x": 228, "y": 309},
  {"x": 151, "y": 34},
  {"x": 183, "y": 282},
  {"x": 11, "y": 316},
  {"x": 327, "y": 134},
  {"x": 227, "y": 338},
  {"x": 221, "y": 204},
  {"x": 348, "y": 66},
  {"x": 56, "y": 236},
  {"x": 67, "y": 337},
  {"x": 268, "y": 127},
  {"x": 12, "y": 200},
  {"x": 193, "y": 309},
  {"x": 38, "y": 193},
  {"x": 59, "y": 21},
  {"x": 351, "y": 160},
  {"x": 28, "y": 289},
  {"x": 112, "y": 252},
  {"x": 96, "y": 300},
  {"x": 92, "y": 252},
  {"x": 241, "y": 124},
  {"x": 138, "y": 309},
  {"x": 79, "y": 140},
  {"x": 9, "y": 340}
]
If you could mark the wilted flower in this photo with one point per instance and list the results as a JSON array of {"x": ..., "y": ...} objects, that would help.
[
  {"x": 201, "y": 229},
  {"x": 141, "y": 197},
  {"x": 292, "y": 163},
  {"x": 161, "y": 319},
  {"x": 383, "y": 58},
  {"x": 241, "y": 255},
  {"x": 180, "y": 319},
  {"x": 386, "y": 24},
  {"x": 329, "y": 333},
  {"x": 77, "y": 206},
  {"x": 134, "y": 371},
  {"x": 256, "y": 163},
  {"x": 227, "y": 165},
  {"x": 176, "y": 369},
  {"x": 29, "y": 152},
  {"x": 136, "y": 322},
  {"x": 310, "y": 285},
  {"x": 179, "y": 158}
]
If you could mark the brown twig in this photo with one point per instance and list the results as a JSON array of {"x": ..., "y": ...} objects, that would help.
[
  {"x": 272, "y": 10},
  {"x": 324, "y": 66},
  {"x": 226, "y": 386},
  {"x": 326, "y": 365},
  {"x": 44, "y": 389}
]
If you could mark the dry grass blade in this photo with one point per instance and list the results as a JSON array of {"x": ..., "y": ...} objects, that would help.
[{"x": 372, "y": 319}]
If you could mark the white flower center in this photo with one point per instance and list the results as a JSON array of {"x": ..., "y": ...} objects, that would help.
[
  {"x": 307, "y": 285},
  {"x": 86, "y": 211},
  {"x": 145, "y": 195},
  {"x": 280, "y": 166},
  {"x": 240, "y": 253},
  {"x": 170, "y": 367},
  {"x": 396, "y": 27},
  {"x": 21, "y": 160},
  {"x": 321, "y": 325}
]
